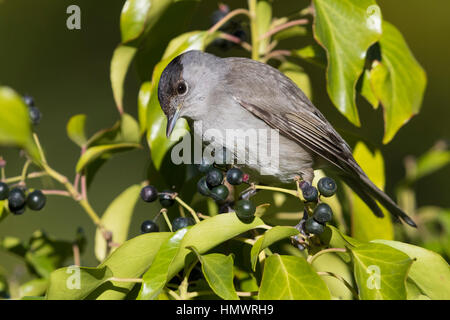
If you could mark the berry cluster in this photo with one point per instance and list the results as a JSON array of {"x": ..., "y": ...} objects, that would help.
[
  {"x": 322, "y": 213},
  {"x": 18, "y": 200},
  {"x": 231, "y": 27},
  {"x": 35, "y": 114}
]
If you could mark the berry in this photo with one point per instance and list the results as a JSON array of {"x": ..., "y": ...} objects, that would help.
[
  {"x": 16, "y": 200},
  {"x": 149, "y": 193},
  {"x": 149, "y": 226},
  {"x": 234, "y": 176},
  {"x": 214, "y": 177},
  {"x": 36, "y": 200},
  {"x": 218, "y": 15},
  {"x": 245, "y": 209},
  {"x": 182, "y": 222},
  {"x": 202, "y": 187},
  {"x": 323, "y": 213},
  {"x": 4, "y": 191},
  {"x": 220, "y": 193},
  {"x": 310, "y": 194},
  {"x": 165, "y": 198},
  {"x": 327, "y": 186},
  {"x": 204, "y": 167},
  {"x": 29, "y": 101},
  {"x": 35, "y": 115},
  {"x": 314, "y": 227}
]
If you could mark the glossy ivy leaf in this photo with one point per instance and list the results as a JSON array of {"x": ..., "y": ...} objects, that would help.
[
  {"x": 33, "y": 288},
  {"x": 365, "y": 88},
  {"x": 218, "y": 271},
  {"x": 291, "y": 278},
  {"x": 143, "y": 100},
  {"x": 120, "y": 62},
  {"x": 346, "y": 29},
  {"x": 76, "y": 129},
  {"x": 365, "y": 225},
  {"x": 263, "y": 22},
  {"x": 126, "y": 130},
  {"x": 429, "y": 272},
  {"x": 130, "y": 260},
  {"x": 297, "y": 75},
  {"x": 429, "y": 163},
  {"x": 398, "y": 81},
  {"x": 156, "y": 121},
  {"x": 156, "y": 276},
  {"x": 380, "y": 271},
  {"x": 271, "y": 236},
  {"x": 15, "y": 128},
  {"x": 116, "y": 219}
]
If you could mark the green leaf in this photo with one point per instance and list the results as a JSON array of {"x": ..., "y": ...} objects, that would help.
[
  {"x": 313, "y": 53},
  {"x": 156, "y": 120},
  {"x": 15, "y": 129},
  {"x": 380, "y": 271},
  {"x": 218, "y": 271},
  {"x": 430, "y": 162},
  {"x": 3, "y": 211},
  {"x": 33, "y": 288},
  {"x": 365, "y": 225},
  {"x": 124, "y": 130},
  {"x": 116, "y": 219},
  {"x": 429, "y": 272},
  {"x": 297, "y": 75},
  {"x": 76, "y": 129},
  {"x": 156, "y": 276},
  {"x": 295, "y": 31},
  {"x": 366, "y": 91},
  {"x": 120, "y": 62},
  {"x": 263, "y": 22},
  {"x": 96, "y": 152},
  {"x": 398, "y": 81},
  {"x": 143, "y": 100},
  {"x": 346, "y": 29},
  {"x": 130, "y": 260},
  {"x": 291, "y": 278},
  {"x": 271, "y": 236}
]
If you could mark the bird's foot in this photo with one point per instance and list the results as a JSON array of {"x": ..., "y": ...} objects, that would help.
[
  {"x": 248, "y": 193},
  {"x": 300, "y": 239}
]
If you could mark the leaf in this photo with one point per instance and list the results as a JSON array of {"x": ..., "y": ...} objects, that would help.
[
  {"x": 312, "y": 53},
  {"x": 156, "y": 276},
  {"x": 380, "y": 271},
  {"x": 346, "y": 29},
  {"x": 94, "y": 153},
  {"x": 271, "y": 236},
  {"x": 291, "y": 278},
  {"x": 76, "y": 129},
  {"x": 298, "y": 75},
  {"x": 295, "y": 31},
  {"x": 124, "y": 130},
  {"x": 156, "y": 120},
  {"x": 130, "y": 260},
  {"x": 430, "y": 272},
  {"x": 34, "y": 288},
  {"x": 120, "y": 62},
  {"x": 218, "y": 271},
  {"x": 143, "y": 100},
  {"x": 116, "y": 219},
  {"x": 366, "y": 89},
  {"x": 365, "y": 225},
  {"x": 398, "y": 81},
  {"x": 15, "y": 129},
  {"x": 430, "y": 162},
  {"x": 3, "y": 211}
]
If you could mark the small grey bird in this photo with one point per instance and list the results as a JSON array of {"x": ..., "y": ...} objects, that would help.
[{"x": 240, "y": 93}]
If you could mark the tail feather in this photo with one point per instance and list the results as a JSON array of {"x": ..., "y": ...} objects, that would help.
[{"x": 368, "y": 191}]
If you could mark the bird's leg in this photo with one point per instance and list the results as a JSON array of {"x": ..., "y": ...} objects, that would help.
[
  {"x": 300, "y": 227},
  {"x": 248, "y": 193}
]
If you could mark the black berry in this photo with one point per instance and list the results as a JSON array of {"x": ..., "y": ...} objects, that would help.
[
  {"x": 165, "y": 198},
  {"x": 220, "y": 193},
  {"x": 4, "y": 191},
  {"x": 214, "y": 177},
  {"x": 149, "y": 226},
  {"x": 202, "y": 187},
  {"x": 149, "y": 193},
  {"x": 204, "y": 167},
  {"x": 314, "y": 227},
  {"x": 327, "y": 186},
  {"x": 310, "y": 194},
  {"x": 29, "y": 101},
  {"x": 182, "y": 222},
  {"x": 323, "y": 213},
  {"x": 36, "y": 200},
  {"x": 16, "y": 200},
  {"x": 245, "y": 209},
  {"x": 234, "y": 176},
  {"x": 35, "y": 115}
]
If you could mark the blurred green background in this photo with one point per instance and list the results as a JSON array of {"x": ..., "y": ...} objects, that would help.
[{"x": 67, "y": 72}]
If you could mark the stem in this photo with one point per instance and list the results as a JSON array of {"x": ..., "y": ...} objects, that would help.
[
  {"x": 164, "y": 213},
  {"x": 247, "y": 294},
  {"x": 299, "y": 190},
  {"x": 173, "y": 294},
  {"x": 23, "y": 176},
  {"x": 224, "y": 20},
  {"x": 348, "y": 285},
  {"x": 135, "y": 280},
  {"x": 188, "y": 208},
  {"x": 291, "y": 192},
  {"x": 41, "y": 151},
  {"x": 283, "y": 27},
  {"x": 56, "y": 192},
  {"x": 76, "y": 254},
  {"x": 29, "y": 176},
  {"x": 234, "y": 39},
  {"x": 318, "y": 254},
  {"x": 277, "y": 54},
  {"x": 185, "y": 283},
  {"x": 253, "y": 29}
]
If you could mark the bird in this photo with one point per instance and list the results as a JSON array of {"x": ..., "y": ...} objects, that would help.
[{"x": 242, "y": 93}]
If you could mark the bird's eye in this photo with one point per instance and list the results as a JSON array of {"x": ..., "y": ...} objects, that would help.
[{"x": 181, "y": 88}]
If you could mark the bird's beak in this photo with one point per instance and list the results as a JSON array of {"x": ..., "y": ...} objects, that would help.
[{"x": 172, "y": 120}]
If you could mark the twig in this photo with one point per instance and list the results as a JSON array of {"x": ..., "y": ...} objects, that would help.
[
  {"x": 29, "y": 176},
  {"x": 283, "y": 27},
  {"x": 318, "y": 254},
  {"x": 56, "y": 192},
  {"x": 224, "y": 20},
  {"x": 236, "y": 40},
  {"x": 188, "y": 208},
  {"x": 348, "y": 285},
  {"x": 164, "y": 213},
  {"x": 76, "y": 254}
]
